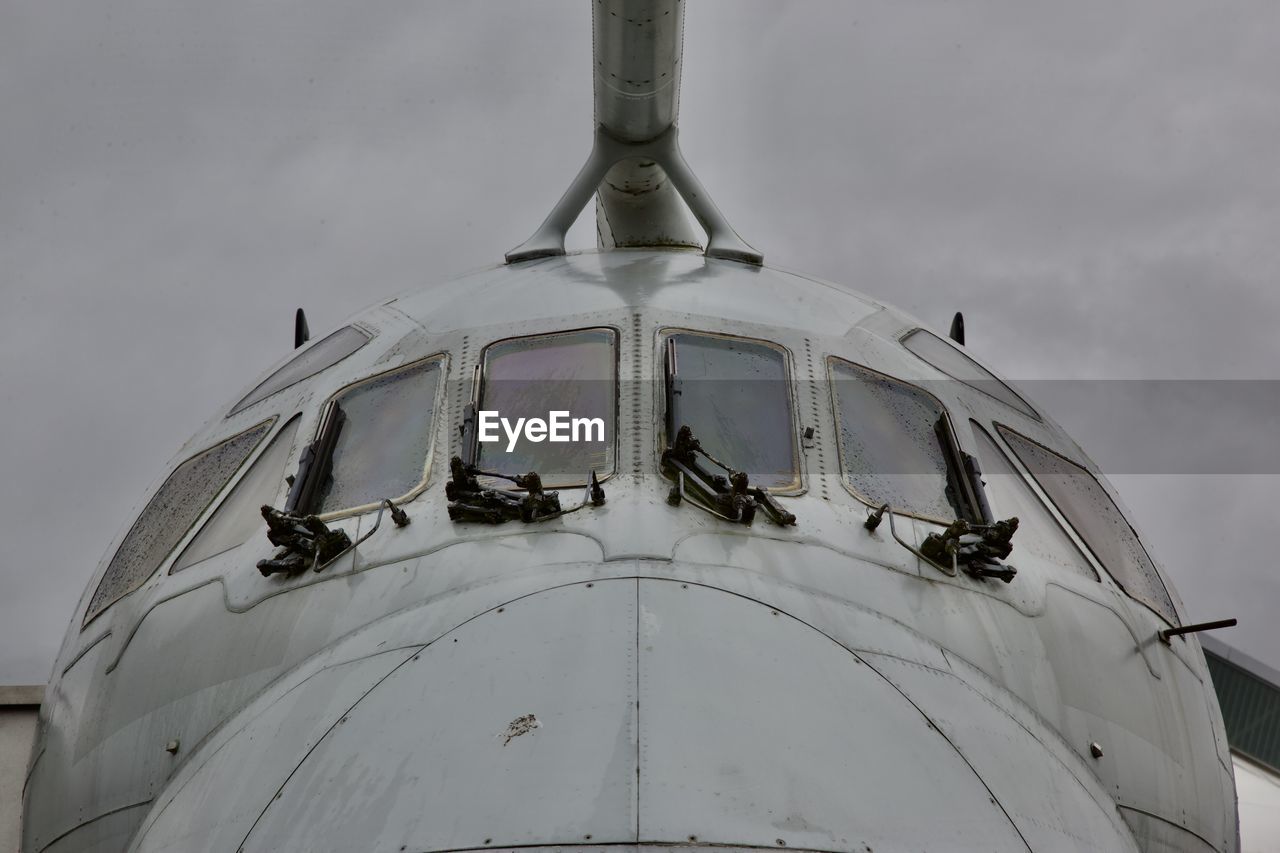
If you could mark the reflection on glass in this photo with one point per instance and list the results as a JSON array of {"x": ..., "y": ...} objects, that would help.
[
  {"x": 385, "y": 444},
  {"x": 734, "y": 395},
  {"x": 1089, "y": 509},
  {"x": 957, "y": 365},
  {"x": 1009, "y": 494},
  {"x": 573, "y": 372},
  {"x": 239, "y": 517},
  {"x": 889, "y": 449},
  {"x": 169, "y": 514},
  {"x": 315, "y": 358}
]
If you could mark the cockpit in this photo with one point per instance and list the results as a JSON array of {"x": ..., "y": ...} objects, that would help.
[{"x": 713, "y": 428}]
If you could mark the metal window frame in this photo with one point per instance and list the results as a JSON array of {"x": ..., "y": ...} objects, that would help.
[
  {"x": 831, "y": 361},
  {"x": 442, "y": 358},
  {"x": 207, "y": 515},
  {"x": 665, "y": 333},
  {"x": 471, "y": 453},
  {"x": 1051, "y": 510},
  {"x": 1176, "y": 621},
  {"x": 1031, "y": 411},
  {"x": 242, "y": 406},
  {"x": 197, "y": 519}
]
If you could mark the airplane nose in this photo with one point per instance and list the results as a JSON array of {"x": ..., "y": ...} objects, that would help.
[{"x": 631, "y": 712}]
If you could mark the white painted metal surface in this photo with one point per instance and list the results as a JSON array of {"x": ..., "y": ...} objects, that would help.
[{"x": 1069, "y": 656}]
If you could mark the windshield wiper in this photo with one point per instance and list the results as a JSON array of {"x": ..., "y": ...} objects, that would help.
[
  {"x": 976, "y": 548},
  {"x": 470, "y": 501},
  {"x": 315, "y": 465},
  {"x": 304, "y": 539},
  {"x": 975, "y": 541},
  {"x": 731, "y": 498},
  {"x": 963, "y": 489}
]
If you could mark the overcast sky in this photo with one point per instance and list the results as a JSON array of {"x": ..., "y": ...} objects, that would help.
[{"x": 1096, "y": 185}]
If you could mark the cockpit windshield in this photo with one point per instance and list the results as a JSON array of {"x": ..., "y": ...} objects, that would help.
[
  {"x": 384, "y": 447},
  {"x": 1087, "y": 507},
  {"x": 167, "y": 517},
  {"x": 315, "y": 358},
  {"x": 1010, "y": 495},
  {"x": 735, "y": 396},
  {"x": 894, "y": 444},
  {"x": 548, "y": 404},
  {"x": 957, "y": 365}
]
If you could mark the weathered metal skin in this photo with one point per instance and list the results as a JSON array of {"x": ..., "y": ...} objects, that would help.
[
  {"x": 638, "y": 47},
  {"x": 638, "y": 673}
]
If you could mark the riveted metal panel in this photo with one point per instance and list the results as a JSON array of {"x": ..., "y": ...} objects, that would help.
[
  {"x": 214, "y": 801},
  {"x": 1037, "y": 789},
  {"x": 756, "y": 729},
  {"x": 516, "y": 728}
]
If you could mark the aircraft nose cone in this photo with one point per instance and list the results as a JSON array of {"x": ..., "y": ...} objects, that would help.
[{"x": 631, "y": 711}]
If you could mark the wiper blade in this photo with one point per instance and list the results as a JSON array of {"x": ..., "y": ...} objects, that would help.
[
  {"x": 304, "y": 540},
  {"x": 315, "y": 465},
  {"x": 731, "y": 498},
  {"x": 470, "y": 501}
]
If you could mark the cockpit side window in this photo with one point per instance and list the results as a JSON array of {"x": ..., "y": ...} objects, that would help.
[
  {"x": 897, "y": 446},
  {"x": 385, "y": 429},
  {"x": 1010, "y": 495},
  {"x": 1101, "y": 525},
  {"x": 567, "y": 381},
  {"x": 167, "y": 517},
  {"x": 951, "y": 361},
  {"x": 315, "y": 358},
  {"x": 735, "y": 396},
  {"x": 239, "y": 516}
]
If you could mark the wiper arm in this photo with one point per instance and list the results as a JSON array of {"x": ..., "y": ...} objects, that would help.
[
  {"x": 731, "y": 498},
  {"x": 976, "y": 548},
  {"x": 315, "y": 465},
  {"x": 469, "y": 501},
  {"x": 304, "y": 539}
]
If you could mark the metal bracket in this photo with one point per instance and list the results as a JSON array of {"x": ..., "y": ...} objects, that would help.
[
  {"x": 731, "y": 498},
  {"x": 977, "y": 548},
  {"x": 873, "y": 521},
  {"x": 663, "y": 149},
  {"x": 304, "y": 541},
  {"x": 469, "y": 501}
]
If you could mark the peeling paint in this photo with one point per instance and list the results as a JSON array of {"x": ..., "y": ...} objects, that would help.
[{"x": 520, "y": 726}]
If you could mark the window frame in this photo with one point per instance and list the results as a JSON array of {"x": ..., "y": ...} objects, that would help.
[
  {"x": 442, "y": 358},
  {"x": 471, "y": 443},
  {"x": 953, "y": 434},
  {"x": 217, "y": 504},
  {"x": 1030, "y": 412},
  {"x": 797, "y": 486},
  {"x": 244, "y": 403},
  {"x": 1034, "y": 488},
  {"x": 196, "y": 522},
  {"x": 1000, "y": 429}
]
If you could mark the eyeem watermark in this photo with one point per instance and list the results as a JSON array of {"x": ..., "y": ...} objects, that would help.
[{"x": 558, "y": 427}]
